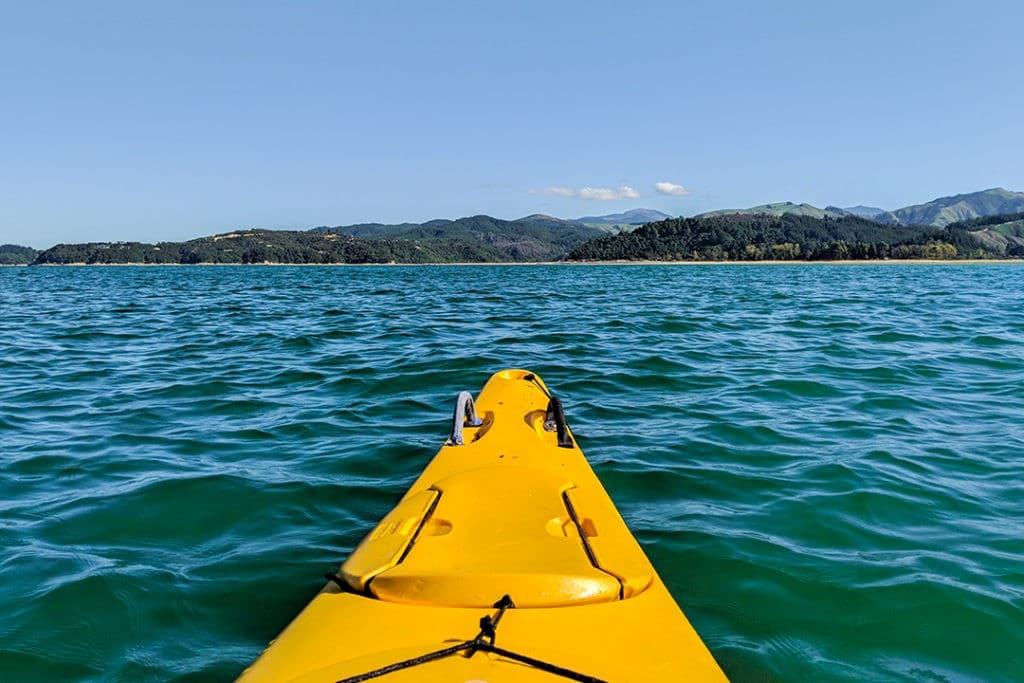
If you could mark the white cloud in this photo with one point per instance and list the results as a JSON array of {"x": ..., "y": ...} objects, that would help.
[
  {"x": 591, "y": 193},
  {"x": 665, "y": 187},
  {"x": 556, "y": 191}
]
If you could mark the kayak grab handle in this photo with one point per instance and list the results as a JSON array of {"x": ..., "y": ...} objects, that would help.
[
  {"x": 464, "y": 416},
  {"x": 554, "y": 421}
]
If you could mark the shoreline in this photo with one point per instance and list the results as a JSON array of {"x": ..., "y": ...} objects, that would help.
[{"x": 847, "y": 262}]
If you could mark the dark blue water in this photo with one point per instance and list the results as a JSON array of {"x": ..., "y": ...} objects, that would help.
[{"x": 824, "y": 462}]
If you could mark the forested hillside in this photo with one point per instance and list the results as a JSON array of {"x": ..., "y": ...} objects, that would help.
[
  {"x": 274, "y": 246},
  {"x": 532, "y": 238},
  {"x": 1001, "y": 235},
  {"x": 787, "y": 236},
  {"x": 15, "y": 255},
  {"x": 471, "y": 239}
]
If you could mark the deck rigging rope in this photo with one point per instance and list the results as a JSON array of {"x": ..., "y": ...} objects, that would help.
[{"x": 483, "y": 642}]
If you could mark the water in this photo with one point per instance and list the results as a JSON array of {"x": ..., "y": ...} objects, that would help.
[{"x": 824, "y": 462}]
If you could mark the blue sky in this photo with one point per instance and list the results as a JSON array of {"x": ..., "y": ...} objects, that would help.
[{"x": 155, "y": 121}]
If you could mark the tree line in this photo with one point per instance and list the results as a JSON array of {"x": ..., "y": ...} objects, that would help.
[{"x": 762, "y": 237}]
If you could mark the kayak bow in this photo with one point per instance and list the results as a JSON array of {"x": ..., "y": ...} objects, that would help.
[{"x": 506, "y": 561}]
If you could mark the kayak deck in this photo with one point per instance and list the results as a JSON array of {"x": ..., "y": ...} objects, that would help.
[{"x": 514, "y": 510}]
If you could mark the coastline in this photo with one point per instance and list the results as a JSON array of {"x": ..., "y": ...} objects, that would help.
[{"x": 847, "y": 262}]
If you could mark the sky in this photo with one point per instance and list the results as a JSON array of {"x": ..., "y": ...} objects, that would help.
[{"x": 168, "y": 121}]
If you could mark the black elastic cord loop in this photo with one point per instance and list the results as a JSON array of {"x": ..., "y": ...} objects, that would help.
[
  {"x": 489, "y": 626},
  {"x": 542, "y": 665},
  {"x": 409, "y": 663},
  {"x": 556, "y": 417},
  {"x": 533, "y": 378},
  {"x": 483, "y": 642}
]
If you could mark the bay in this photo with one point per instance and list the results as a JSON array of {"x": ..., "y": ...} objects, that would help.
[{"x": 824, "y": 462}]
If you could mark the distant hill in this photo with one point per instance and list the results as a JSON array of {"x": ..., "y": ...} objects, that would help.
[
  {"x": 1002, "y": 235},
  {"x": 863, "y": 211},
  {"x": 471, "y": 239},
  {"x": 792, "y": 236},
  {"x": 946, "y": 210},
  {"x": 370, "y": 229},
  {"x": 16, "y": 255},
  {"x": 553, "y": 236},
  {"x": 938, "y": 213},
  {"x": 273, "y": 246},
  {"x": 779, "y": 209},
  {"x": 632, "y": 217},
  {"x": 532, "y": 238}
]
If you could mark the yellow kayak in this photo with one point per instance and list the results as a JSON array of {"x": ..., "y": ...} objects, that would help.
[{"x": 506, "y": 561}]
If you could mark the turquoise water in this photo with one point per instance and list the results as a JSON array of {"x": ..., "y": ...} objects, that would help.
[{"x": 824, "y": 462}]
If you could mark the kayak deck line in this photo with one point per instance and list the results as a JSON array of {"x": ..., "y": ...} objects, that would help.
[
  {"x": 483, "y": 642},
  {"x": 586, "y": 544},
  {"x": 508, "y": 506}
]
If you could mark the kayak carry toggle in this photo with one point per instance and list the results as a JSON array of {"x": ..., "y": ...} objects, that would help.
[{"x": 463, "y": 416}]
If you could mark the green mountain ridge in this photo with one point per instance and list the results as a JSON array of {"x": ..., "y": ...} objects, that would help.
[
  {"x": 631, "y": 217},
  {"x": 863, "y": 211},
  {"x": 947, "y": 210},
  {"x": 532, "y": 238},
  {"x": 270, "y": 246},
  {"x": 777, "y": 209},
  {"x": 471, "y": 239},
  {"x": 938, "y": 212}
]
